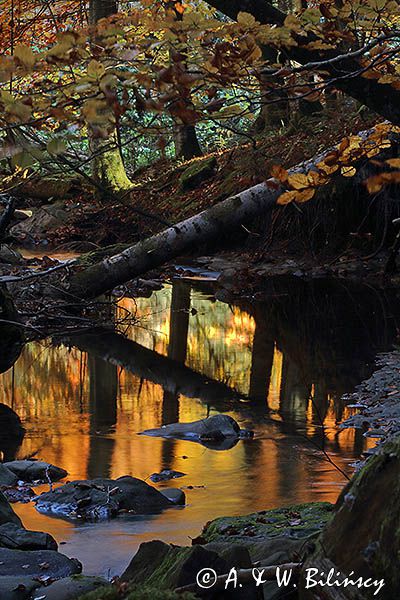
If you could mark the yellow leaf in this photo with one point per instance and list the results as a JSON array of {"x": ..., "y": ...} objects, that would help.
[
  {"x": 246, "y": 19},
  {"x": 25, "y": 55},
  {"x": 287, "y": 197},
  {"x": 316, "y": 178},
  {"x": 393, "y": 162},
  {"x": 348, "y": 171},
  {"x": 292, "y": 23},
  {"x": 95, "y": 69},
  {"x": 374, "y": 184},
  {"x": 327, "y": 169},
  {"x": 298, "y": 181},
  {"x": 305, "y": 195}
]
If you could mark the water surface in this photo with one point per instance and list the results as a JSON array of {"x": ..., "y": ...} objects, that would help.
[{"x": 289, "y": 359}]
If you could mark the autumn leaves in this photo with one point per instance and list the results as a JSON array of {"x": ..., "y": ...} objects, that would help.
[{"x": 344, "y": 160}]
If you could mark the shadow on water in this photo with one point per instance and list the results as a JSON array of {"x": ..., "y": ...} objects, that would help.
[{"x": 279, "y": 366}]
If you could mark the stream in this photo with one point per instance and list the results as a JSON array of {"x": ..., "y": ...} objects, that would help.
[{"x": 291, "y": 356}]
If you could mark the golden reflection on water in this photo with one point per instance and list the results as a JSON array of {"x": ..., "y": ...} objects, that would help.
[{"x": 84, "y": 415}]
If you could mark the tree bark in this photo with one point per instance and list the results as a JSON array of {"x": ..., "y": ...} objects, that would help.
[
  {"x": 381, "y": 98},
  {"x": 186, "y": 143},
  {"x": 205, "y": 227},
  {"x": 108, "y": 168}
]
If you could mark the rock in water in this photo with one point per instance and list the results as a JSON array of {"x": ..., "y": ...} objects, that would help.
[
  {"x": 69, "y": 588},
  {"x": 100, "y": 499},
  {"x": 175, "y": 495},
  {"x": 218, "y": 431},
  {"x": 167, "y": 567},
  {"x": 31, "y": 564},
  {"x": 166, "y": 475},
  {"x": 35, "y": 471},
  {"x": 16, "y": 538},
  {"x": 7, "y": 515},
  {"x": 7, "y": 477}
]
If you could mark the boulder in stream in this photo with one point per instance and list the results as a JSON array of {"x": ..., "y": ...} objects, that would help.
[
  {"x": 166, "y": 475},
  {"x": 69, "y": 588},
  {"x": 7, "y": 477},
  {"x": 167, "y": 567},
  {"x": 7, "y": 515},
  {"x": 41, "y": 564},
  {"x": 218, "y": 431},
  {"x": 17, "y": 538},
  {"x": 99, "y": 499},
  {"x": 33, "y": 471},
  {"x": 296, "y": 522}
]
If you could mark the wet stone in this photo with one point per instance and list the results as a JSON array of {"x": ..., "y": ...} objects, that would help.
[
  {"x": 211, "y": 432},
  {"x": 166, "y": 475},
  {"x": 102, "y": 499},
  {"x": 38, "y": 563},
  {"x": 16, "y": 538},
  {"x": 35, "y": 471},
  {"x": 69, "y": 588}
]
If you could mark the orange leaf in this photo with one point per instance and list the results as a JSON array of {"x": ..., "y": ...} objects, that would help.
[
  {"x": 287, "y": 197},
  {"x": 393, "y": 162},
  {"x": 279, "y": 173},
  {"x": 305, "y": 195}
]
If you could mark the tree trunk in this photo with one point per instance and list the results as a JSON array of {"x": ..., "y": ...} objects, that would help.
[
  {"x": 108, "y": 169},
  {"x": 186, "y": 143},
  {"x": 206, "y": 227},
  {"x": 381, "y": 98}
]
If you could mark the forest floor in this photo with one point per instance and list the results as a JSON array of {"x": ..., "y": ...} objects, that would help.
[{"x": 160, "y": 189}]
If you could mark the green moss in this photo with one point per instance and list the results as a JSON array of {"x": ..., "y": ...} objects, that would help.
[
  {"x": 135, "y": 592},
  {"x": 197, "y": 171},
  {"x": 296, "y": 521},
  {"x": 108, "y": 168},
  {"x": 91, "y": 258}
]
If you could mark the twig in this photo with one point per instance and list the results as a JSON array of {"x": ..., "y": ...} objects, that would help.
[{"x": 12, "y": 278}]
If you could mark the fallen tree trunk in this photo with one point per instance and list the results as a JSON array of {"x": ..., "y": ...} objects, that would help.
[{"x": 205, "y": 227}]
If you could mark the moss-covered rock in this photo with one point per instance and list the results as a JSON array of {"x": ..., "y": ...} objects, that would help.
[
  {"x": 364, "y": 533},
  {"x": 197, "y": 172},
  {"x": 298, "y": 521},
  {"x": 167, "y": 567}
]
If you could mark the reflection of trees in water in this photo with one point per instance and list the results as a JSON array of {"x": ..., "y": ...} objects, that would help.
[
  {"x": 326, "y": 333},
  {"x": 103, "y": 393},
  {"x": 177, "y": 349}
]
